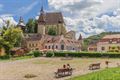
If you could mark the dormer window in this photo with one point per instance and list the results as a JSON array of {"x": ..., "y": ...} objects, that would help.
[
  {"x": 110, "y": 41},
  {"x": 118, "y": 41},
  {"x": 59, "y": 21}
]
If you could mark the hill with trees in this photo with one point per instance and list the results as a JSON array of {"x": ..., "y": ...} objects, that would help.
[{"x": 93, "y": 39}]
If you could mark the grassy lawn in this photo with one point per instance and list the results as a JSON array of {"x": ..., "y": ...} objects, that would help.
[
  {"x": 107, "y": 74},
  {"x": 17, "y": 58},
  {"x": 22, "y": 57}
]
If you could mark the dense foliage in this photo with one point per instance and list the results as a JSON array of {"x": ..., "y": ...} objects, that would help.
[
  {"x": 52, "y": 31},
  {"x": 49, "y": 54},
  {"x": 31, "y": 26},
  {"x": 36, "y": 53},
  {"x": 4, "y": 57},
  {"x": 10, "y": 37}
]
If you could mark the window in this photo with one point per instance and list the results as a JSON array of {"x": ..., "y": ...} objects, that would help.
[
  {"x": 56, "y": 46},
  {"x": 103, "y": 48},
  {"x": 45, "y": 47},
  {"x": 52, "y": 46},
  {"x": 49, "y": 47},
  {"x": 37, "y": 49},
  {"x": 29, "y": 45},
  {"x": 110, "y": 41},
  {"x": 36, "y": 45},
  {"x": 62, "y": 47},
  {"x": 32, "y": 45}
]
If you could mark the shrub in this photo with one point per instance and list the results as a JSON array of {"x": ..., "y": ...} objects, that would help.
[
  {"x": 30, "y": 53},
  {"x": 59, "y": 54},
  {"x": 49, "y": 54},
  {"x": 36, "y": 53},
  {"x": 30, "y": 76},
  {"x": 4, "y": 57}
]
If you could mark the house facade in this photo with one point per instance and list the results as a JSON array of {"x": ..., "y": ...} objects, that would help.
[
  {"x": 92, "y": 48},
  {"x": 54, "y": 43},
  {"x": 60, "y": 43},
  {"x": 109, "y": 43}
]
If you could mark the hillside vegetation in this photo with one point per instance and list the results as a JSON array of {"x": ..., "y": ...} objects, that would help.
[{"x": 93, "y": 39}]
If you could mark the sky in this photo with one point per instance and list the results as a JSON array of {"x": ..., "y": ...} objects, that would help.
[{"x": 86, "y": 17}]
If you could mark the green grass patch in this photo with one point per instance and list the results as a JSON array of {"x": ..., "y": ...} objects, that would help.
[
  {"x": 22, "y": 57},
  {"x": 107, "y": 74}
]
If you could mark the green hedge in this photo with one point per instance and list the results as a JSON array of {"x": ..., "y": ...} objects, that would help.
[
  {"x": 35, "y": 53},
  {"x": 83, "y": 54},
  {"x": 4, "y": 57},
  {"x": 49, "y": 54}
]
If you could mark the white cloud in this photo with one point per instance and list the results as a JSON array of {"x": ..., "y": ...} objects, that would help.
[
  {"x": 82, "y": 15},
  {"x": 24, "y": 10},
  {"x": 7, "y": 17}
]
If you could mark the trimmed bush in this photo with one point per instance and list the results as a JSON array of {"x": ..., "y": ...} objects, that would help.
[
  {"x": 49, "y": 54},
  {"x": 4, "y": 57},
  {"x": 30, "y": 53},
  {"x": 36, "y": 53}
]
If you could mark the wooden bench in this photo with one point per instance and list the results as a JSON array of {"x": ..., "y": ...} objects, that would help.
[
  {"x": 94, "y": 66},
  {"x": 63, "y": 72}
]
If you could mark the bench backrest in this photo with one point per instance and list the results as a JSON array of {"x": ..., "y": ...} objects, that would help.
[
  {"x": 97, "y": 64},
  {"x": 64, "y": 70}
]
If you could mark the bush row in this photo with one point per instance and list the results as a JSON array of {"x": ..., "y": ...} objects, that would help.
[
  {"x": 91, "y": 55},
  {"x": 35, "y": 53},
  {"x": 4, "y": 57}
]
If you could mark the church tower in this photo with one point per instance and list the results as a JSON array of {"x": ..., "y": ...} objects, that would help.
[
  {"x": 81, "y": 42},
  {"x": 80, "y": 38},
  {"x": 51, "y": 20},
  {"x": 41, "y": 22},
  {"x": 21, "y": 24}
]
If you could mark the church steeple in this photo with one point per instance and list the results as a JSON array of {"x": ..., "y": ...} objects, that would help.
[
  {"x": 42, "y": 10},
  {"x": 21, "y": 24},
  {"x": 80, "y": 37},
  {"x": 21, "y": 20},
  {"x": 42, "y": 15}
]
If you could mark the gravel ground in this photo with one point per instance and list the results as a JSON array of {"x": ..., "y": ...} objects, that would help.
[{"x": 44, "y": 68}]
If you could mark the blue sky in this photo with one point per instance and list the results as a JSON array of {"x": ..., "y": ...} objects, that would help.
[
  {"x": 26, "y": 8},
  {"x": 86, "y": 17}
]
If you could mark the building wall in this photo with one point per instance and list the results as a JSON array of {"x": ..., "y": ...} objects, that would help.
[
  {"x": 67, "y": 47},
  {"x": 41, "y": 29},
  {"x": 104, "y": 47},
  {"x": 59, "y": 28},
  {"x": 34, "y": 45}
]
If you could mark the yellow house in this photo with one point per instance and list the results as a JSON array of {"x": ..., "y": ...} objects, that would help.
[
  {"x": 2, "y": 51},
  {"x": 109, "y": 43}
]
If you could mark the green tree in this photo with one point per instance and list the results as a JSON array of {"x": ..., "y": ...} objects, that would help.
[
  {"x": 52, "y": 32},
  {"x": 31, "y": 26},
  {"x": 9, "y": 37}
]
